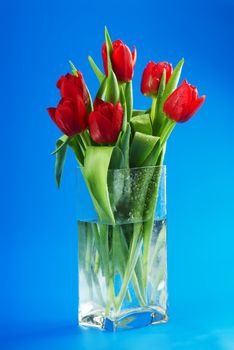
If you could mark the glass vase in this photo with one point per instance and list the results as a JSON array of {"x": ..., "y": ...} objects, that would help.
[{"x": 123, "y": 262}]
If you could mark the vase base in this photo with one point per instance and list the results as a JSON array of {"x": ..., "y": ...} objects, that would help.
[{"x": 136, "y": 318}]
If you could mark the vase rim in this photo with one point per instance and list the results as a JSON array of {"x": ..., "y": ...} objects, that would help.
[{"x": 163, "y": 166}]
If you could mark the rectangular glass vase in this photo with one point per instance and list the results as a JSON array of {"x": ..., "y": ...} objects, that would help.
[{"x": 123, "y": 264}]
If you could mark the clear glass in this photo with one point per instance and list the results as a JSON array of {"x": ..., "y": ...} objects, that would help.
[{"x": 123, "y": 264}]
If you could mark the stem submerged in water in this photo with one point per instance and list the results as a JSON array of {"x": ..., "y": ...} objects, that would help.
[
  {"x": 148, "y": 225},
  {"x": 133, "y": 257}
]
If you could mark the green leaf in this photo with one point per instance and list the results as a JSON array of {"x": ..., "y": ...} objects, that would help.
[
  {"x": 112, "y": 88},
  {"x": 152, "y": 158},
  {"x": 169, "y": 126},
  {"x": 123, "y": 144},
  {"x": 158, "y": 113},
  {"x": 63, "y": 140},
  {"x": 96, "y": 70},
  {"x": 74, "y": 70},
  {"x": 109, "y": 49},
  {"x": 141, "y": 148},
  {"x": 102, "y": 89},
  {"x": 136, "y": 112},
  {"x": 142, "y": 124},
  {"x": 117, "y": 159},
  {"x": 78, "y": 147},
  {"x": 90, "y": 105},
  {"x": 60, "y": 158},
  {"x": 173, "y": 81},
  {"x": 96, "y": 164}
]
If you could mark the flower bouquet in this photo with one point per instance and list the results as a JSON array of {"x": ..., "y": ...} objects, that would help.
[{"x": 120, "y": 153}]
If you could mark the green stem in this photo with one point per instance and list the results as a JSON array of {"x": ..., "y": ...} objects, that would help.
[
  {"x": 137, "y": 274},
  {"x": 77, "y": 148},
  {"x": 86, "y": 138},
  {"x": 111, "y": 269},
  {"x": 161, "y": 269},
  {"x": 138, "y": 281},
  {"x": 111, "y": 296},
  {"x": 148, "y": 225},
  {"x": 129, "y": 99},
  {"x": 133, "y": 256},
  {"x": 89, "y": 247},
  {"x": 118, "y": 258},
  {"x": 101, "y": 242},
  {"x": 97, "y": 262},
  {"x": 153, "y": 110},
  {"x": 80, "y": 143},
  {"x": 104, "y": 249},
  {"x": 166, "y": 131},
  {"x": 88, "y": 257},
  {"x": 97, "y": 286}
]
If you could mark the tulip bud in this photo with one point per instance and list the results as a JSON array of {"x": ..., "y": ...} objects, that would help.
[
  {"x": 70, "y": 86},
  {"x": 183, "y": 103},
  {"x": 122, "y": 59},
  {"x": 152, "y": 75},
  {"x": 71, "y": 113},
  {"x": 105, "y": 121}
]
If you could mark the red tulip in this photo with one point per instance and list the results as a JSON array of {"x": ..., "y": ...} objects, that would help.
[
  {"x": 183, "y": 103},
  {"x": 122, "y": 59},
  {"x": 152, "y": 75},
  {"x": 70, "y": 115},
  {"x": 70, "y": 86},
  {"x": 105, "y": 121}
]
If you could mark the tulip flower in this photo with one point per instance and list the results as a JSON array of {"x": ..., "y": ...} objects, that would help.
[
  {"x": 70, "y": 115},
  {"x": 105, "y": 121},
  {"x": 183, "y": 103},
  {"x": 152, "y": 75},
  {"x": 70, "y": 86},
  {"x": 122, "y": 59}
]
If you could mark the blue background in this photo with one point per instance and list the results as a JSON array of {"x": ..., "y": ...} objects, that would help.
[{"x": 38, "y": 292}]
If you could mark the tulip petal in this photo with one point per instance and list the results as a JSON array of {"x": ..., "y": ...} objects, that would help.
[
  {"x": 70, "y": 86},
  {"x": 52, "y": 111},
  {"x": 117, "y": 43},
  {"x": 134, "y": 56},
  {"x": 152, "y": 76},
  {"x": 97, "y": 102},
  {"x": 177, "y": 104},
  {"x": 196, "y": 105},
  {"x": 57, "y": 117},
  {"x": 105, "y": 121},
  {"x": 100, "y": 128},
  {"x": 117, "y": 120},
  {"x": 183, "y": 103},
  {"x": 82, "y": 114},
  {"x": 122, "y": 63},
  {"x": 65, "y": 118},
  {"x": 122, "y": 60},
  {"x": 70, "y": 117}
]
